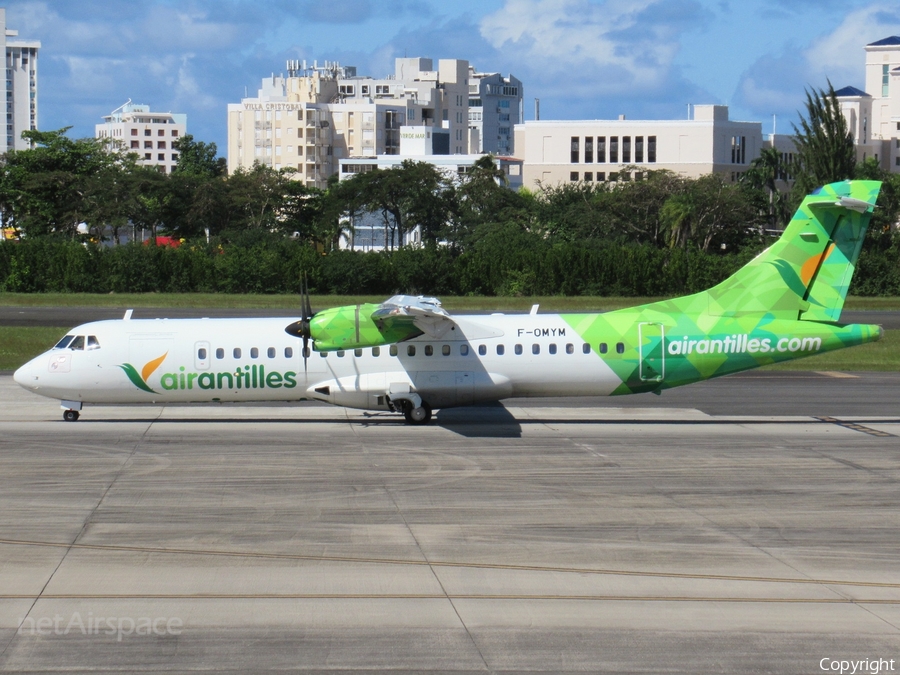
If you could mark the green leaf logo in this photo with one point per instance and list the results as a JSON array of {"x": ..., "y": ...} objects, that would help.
[{"x": 139, "y": 380}]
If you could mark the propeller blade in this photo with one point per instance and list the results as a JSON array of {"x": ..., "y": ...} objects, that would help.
[
  {"x": 306, "y": 316},
  {"x": 307, "y": 307}
]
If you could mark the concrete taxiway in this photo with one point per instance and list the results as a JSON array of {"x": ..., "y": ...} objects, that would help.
[{"x": 743, "y": 525}]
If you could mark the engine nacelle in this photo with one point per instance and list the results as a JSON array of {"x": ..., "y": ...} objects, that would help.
[{"x": 352, "y": 326}]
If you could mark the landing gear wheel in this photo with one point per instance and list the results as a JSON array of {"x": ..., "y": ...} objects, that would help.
[
  {"x": 420, "y": 415},
  {"x": 71, "y": 415}
]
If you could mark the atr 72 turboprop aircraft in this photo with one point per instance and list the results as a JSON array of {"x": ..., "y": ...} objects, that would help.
[{"x": 409, "y": 355}]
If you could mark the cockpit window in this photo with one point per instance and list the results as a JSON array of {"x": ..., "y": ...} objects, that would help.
[
  {"x": 77, "y": 343},
  {"x": 62, "y": 344},
  {"x": 93, "y": 342}
]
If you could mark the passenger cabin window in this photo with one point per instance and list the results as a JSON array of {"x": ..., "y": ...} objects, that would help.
[
  {"x": 585, "y": 348},
  {"x": 620, "y": 348},
  {"x": 603, "y": 348},
  {"x": 324, "y": 355},
  {"x": 376, "y": 351},
  {"x": 393, "y": 350},
  {"x": 288, "y": 352},
  {"x": 220, "y": 353},
  {"x": 306, "y": 352},
  {"x": 445, "y": 350},
  {"x": 357, "y": 352},
  {"x": 500, "y": 350},
  {"x": 270, "y": 352},
  {"x": 340, "y": 353},
  {"x": 254, "y": 353},
  {"x": 518, "y": 350},
  {"x": 464, "y": 350},
  {"x": 570, "y": 348},
  {"x": 77, "y": 343},
  {"x": 482, "y": 350},
  {"x": 236, "y": 353},
  {"x": 429, "y": 350},
  {"x": 62, "y": 344},
  {"x": 93, "y": 343},
  {"x": 552, "y": 348},
  {"x": 201, "y": 354},
  {"x": 535, "y": 348}
]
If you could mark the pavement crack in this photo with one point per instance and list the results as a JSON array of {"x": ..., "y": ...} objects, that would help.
[{"x": 438, "y": 580}]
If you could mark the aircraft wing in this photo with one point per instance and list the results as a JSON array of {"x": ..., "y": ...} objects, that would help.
[{"x": 421, "y": 313}]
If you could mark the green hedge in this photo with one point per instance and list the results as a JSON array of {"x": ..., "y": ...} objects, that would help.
[{"x": 506, "y": 262}]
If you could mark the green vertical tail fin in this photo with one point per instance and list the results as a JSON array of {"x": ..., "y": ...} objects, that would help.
[{"x": 806, "y": 273}]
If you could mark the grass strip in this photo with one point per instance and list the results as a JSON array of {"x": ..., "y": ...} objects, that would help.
[{"x": 452, "y": 303}]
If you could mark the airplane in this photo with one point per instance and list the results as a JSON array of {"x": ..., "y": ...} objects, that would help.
[{"x": 409, "y": 355}]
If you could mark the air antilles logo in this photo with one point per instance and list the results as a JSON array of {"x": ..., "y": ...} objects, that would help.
[
  {"x": 256, "y": 376},
  {"x": 139, "y": 379}
]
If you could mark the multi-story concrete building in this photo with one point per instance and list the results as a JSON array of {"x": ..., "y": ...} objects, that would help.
[
  {"x": 21, "y": 87},
  {"x": 495, "y": 108},
  {"x": 873, "y": 115},
  {"x": 602, "y": 150},
  {"x": 150, "y": 135},
  {"x": 316, "y": 116}
]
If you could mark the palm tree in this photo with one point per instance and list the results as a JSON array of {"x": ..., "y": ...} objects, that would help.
[{"x": 825, "y": 151}]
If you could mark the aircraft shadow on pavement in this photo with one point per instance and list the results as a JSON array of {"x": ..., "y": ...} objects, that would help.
[{"x": 491, "y": 420}]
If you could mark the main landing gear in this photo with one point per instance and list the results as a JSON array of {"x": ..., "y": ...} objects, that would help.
[
  {"x": 419, "y": 415},
  {"x": 414, "y": 409},
  {"x": 70, "y": 415}
]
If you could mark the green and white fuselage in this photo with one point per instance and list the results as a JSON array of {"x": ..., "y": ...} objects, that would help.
[{"x": 409, "y": 354}]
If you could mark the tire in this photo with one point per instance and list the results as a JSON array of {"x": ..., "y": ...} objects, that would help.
[
  {"x": 420, "y": 415},
  {"x": 70, "y": 415}
]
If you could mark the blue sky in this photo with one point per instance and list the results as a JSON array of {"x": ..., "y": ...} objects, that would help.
[{"x": 585, "y": 59}]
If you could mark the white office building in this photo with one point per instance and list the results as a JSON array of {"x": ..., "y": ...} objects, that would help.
[
  {"x": 21, "y": 87},
  {"x": 556, "y": 151},
  {"x": 134, "y": 128}
]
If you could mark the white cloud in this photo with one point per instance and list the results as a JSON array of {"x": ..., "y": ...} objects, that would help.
[
  {"x": 189, "y": 91},
  {"x": 775, "y": 83},
  {"x": 839, "y": 55},
  {"x": 617, "y": 44}
]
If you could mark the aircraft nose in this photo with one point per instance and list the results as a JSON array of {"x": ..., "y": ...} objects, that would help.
[{"x": 26, "y": 376}]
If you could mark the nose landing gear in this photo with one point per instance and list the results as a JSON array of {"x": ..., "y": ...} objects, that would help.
[{"x": 70, "y": 410}]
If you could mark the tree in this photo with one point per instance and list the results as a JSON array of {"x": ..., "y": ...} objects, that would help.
[
  {"x": 43, "y": 189},
  {"x": 763, "y": 175},
  {"x": 825, "y": 152},
  {"x": 414, "y": 194},
  {"x": 150, "y": 208},
  {"x": 196, "y": 158},
  {"x": 255, "y": 198},
  {"x": 483, "y": 198}
]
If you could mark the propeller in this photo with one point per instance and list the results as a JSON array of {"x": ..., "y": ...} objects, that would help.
[{"x": 300, "y": 328}]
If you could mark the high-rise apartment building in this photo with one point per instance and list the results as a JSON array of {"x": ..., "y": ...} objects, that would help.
[
  {"x": 151, "y": 135},
  {"x": 316, "y": 116},
  {"x": 21, "y": 87},
  {"x": 495, "y": 108}
]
